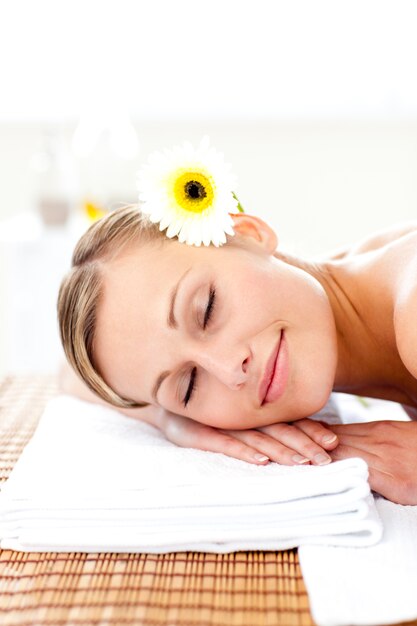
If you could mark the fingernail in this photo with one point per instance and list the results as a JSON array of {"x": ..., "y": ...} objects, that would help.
[
  {"x": 329, "y": 438},
  {"x": 297, "y": 458},
  {"x": 261, "y": 457},
  {"x": 322, "y": 459}
]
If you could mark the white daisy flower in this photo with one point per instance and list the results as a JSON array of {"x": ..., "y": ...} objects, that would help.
[{"x": 189, "y": 191}]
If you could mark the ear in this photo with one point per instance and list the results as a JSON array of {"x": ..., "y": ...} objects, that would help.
[{"x": 254, "y": 228}]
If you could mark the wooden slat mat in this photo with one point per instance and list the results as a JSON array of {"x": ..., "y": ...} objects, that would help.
[{"x": 185, "y": 588}]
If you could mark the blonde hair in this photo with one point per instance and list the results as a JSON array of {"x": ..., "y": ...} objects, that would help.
[{"x": 81, "y": 288}]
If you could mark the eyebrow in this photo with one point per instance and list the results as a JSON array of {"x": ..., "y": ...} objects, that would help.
[{"x": 171, "y": 323}]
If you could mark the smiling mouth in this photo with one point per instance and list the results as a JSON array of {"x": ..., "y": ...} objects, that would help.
[
  {"x": 275, "y": 367},
  {"x": 272, "y": 367},
  {"x": 266, "y": 392}
]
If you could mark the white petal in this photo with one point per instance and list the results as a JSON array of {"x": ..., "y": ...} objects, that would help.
[
  {"x": 228, "y": 225},
  {"x": 155, "y": 219},
  {"x": 174, "y": 228},
  {"x": 222, "y": 237},
  {"x": 206, "y": 235},
  {"x": 195, "y": 233},
  {"x": 183, "y": 234},
  {"x": 190, "y": 234},
  {"x": 228, "y": 230},
  {"x": 165, "y": 221}
]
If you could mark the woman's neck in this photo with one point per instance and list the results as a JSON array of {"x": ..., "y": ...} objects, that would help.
[{"x": 362, "y": 294}]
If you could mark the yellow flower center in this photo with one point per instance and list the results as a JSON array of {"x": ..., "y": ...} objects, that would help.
[{"x": 193, "y": 191}]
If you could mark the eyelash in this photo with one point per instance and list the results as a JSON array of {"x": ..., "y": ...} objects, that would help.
[{"x": 207, "y": 318}]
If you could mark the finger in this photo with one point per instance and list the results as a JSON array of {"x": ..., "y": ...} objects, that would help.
[
  {"x": 365, "y": 443},
  {"x": 361, "y": 429},
  {"x": 347, "y": 452},
  {"x": 236, "y": 448},
  {"x": 274, "y": 449},
  {"x": 297, "y": 440},
  {"x": 325, "y": 424},
  {"x": 318, "y": 432},
  {"x": 203, "y": 437}
]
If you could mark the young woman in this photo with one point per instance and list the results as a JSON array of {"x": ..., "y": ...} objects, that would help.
[{"x": 188, "y": 338}]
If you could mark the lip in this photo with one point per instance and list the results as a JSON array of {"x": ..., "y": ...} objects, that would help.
[
  {"x": 269, "y": 371},
  {"x": 279, "y": 378}
]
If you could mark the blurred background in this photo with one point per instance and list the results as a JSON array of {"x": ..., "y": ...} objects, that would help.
[{"x": 313, "y": 102}]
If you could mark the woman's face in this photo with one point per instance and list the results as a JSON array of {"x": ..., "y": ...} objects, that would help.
[{"x": 142, "y": 333}]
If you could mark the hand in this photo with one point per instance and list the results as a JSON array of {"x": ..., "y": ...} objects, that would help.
[
  {"x": 390, "y": 450},
  {"x": 287, "y": 444}
]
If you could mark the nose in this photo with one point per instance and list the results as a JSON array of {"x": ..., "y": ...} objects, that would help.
[{"x": 229, "y": 366}]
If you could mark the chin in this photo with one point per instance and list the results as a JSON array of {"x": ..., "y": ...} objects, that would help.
[
  {"x": 316, "y": 395},
  {"x": 316, "y": 405},
  {"x": 308, "y": 396}
]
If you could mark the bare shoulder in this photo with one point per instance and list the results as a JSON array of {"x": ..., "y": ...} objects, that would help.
[
  {"x": 378, "y": 239},
  {"x": 385, "y": 236},
  {"x": 405, "y": 311}
]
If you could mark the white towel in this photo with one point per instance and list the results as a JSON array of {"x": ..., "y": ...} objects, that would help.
[
  {"x": 92, "y": 479},
  {"x": 375, "y": 585}
]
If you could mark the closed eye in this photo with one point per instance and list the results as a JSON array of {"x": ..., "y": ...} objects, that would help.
[
  {"x": 208, "y": 316},
  {"x": 210, "y": 307}
]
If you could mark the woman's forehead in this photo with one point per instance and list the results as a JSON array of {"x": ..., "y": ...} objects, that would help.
[
  {"x": 134, "y": 304},
  {"x": 133, "y": 284},
  {"x": 138, "y": 282}
]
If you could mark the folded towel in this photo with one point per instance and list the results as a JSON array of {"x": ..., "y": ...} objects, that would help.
[{"x": 92, "y": 479}]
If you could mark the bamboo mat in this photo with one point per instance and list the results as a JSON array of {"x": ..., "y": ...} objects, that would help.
[{"x": 186, "y": 588}]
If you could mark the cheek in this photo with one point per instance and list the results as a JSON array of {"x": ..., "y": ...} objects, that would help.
[
  {"x": 253, "y": 299},
  {"x": 218, "y": 407},
  {"x": 313, "y": 353},
  {"x": 304, "y": 302}
]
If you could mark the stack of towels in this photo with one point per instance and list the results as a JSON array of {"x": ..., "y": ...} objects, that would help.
[{"x": 94, "y": 480}]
